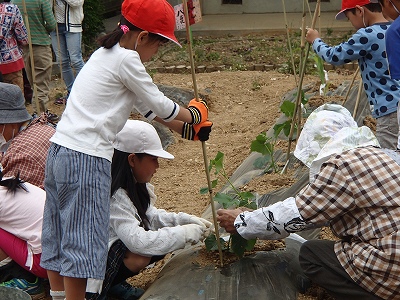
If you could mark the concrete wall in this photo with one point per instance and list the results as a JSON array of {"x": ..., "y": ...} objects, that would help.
[{"x": 215, "y": 7}]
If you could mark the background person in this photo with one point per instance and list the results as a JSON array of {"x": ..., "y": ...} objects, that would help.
[
  {"x": 13, "y": 36},
  {"x": 74, "y": 237},
  {"x": 67, "y": 44},
  {"x": 21, "y": 215},
  {"x": 367, "y": 46},
  {"x": 41, "y": 23},
  {"x": 391, "y": 11},
  {"x": 353, "y": 188},
  {"x": 24, "y": 140}
]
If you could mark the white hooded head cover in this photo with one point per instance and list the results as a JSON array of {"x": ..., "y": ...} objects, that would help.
[{"x": 330, "y": 129}]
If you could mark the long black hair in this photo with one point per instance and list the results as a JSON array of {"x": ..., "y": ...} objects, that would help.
[
  {"x": 122, "y": 177},
  {"x": 13, "y": 183},
  {"x": 111, "y": 39}
]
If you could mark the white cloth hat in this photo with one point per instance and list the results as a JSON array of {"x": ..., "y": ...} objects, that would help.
[
  {"x": 329, "y": 130},
  {"x": 140, "y": 137}
]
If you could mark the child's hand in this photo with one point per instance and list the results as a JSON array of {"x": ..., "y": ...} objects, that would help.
[
  {"x": 199, "y": 110},
  {"x": 193, "y": 233},
  {"x": 197, "y": 132},
  {"x": 311, "y": 35}
]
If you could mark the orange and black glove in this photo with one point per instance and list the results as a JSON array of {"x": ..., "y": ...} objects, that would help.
[
  {"x": 199, "y": 111},
  {"x": 197, "y": 132}
]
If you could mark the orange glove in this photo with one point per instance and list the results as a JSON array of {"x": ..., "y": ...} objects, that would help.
[
  {"x": 198, "y": 110},
  {"x": 197, "y": 132}
]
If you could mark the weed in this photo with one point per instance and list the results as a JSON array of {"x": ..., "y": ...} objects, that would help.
[{"x": 256, "y": 85}]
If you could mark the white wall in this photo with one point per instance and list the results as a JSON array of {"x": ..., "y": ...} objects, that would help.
[{"x": 215, "y": 7}]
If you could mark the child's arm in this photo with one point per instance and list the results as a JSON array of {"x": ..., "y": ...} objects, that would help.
[
  {"x": 311, "y": 35},
  {"x": 359, "y": 45},
  {"x": 188, "y": 131}
]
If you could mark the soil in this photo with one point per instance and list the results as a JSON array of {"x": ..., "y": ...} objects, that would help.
[{"x": 242, "y": 105}]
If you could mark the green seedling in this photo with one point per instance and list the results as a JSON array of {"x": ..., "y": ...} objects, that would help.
[
  {"x": 234, "y": 199},
  {"x": 266, "y": 146},
  {"x": 319, "y": 64}
]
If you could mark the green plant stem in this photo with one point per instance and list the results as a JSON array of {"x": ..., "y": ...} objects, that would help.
[{"x": 237, "y": 191}]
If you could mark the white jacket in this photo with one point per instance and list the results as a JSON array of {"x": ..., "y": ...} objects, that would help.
[
  {"x": 164, "y": 234},
  {"x": 73, "y": 15}
]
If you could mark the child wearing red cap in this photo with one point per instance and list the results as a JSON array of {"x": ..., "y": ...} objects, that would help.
[
  {"x": 78, "y": 168},
  {"x": 391, "y": 11},
  {"x": 367, "y": 45}
]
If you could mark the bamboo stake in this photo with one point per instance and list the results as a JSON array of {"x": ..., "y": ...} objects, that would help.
[
  {"x": 26, "y": 20},
  {"x": 58, "y": 46},
  {"x": 360, "y": 87},
  {"x": 351, "y": 85},
  {"x": 289, "y": 42},
  {"x": 203, "y": 144},
  {"x": 299, "y": 90}
]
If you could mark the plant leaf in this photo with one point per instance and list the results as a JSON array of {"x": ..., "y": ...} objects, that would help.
[
  {"x": 287, "y": 108},
  {"x": 262, "y": 162},
  {"x": 211, "y": 243},
  {"x": 203, "y": 190},
  {"x": 239, "y": 245},
  {"x": 219, "y": 162},
  {"x": 247, "y": 196},
  {"x": 226, "y": 200}
]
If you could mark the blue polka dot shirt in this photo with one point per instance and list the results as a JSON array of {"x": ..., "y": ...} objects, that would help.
[{"x": 367, "y": 45}]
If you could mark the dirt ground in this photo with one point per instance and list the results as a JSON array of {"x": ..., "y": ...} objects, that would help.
[{"x": 242, "y": 105}]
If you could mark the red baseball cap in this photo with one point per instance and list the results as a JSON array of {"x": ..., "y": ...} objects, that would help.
[
  {"x": 155, "y": 16},
  {"x": 349, "y": 4}
]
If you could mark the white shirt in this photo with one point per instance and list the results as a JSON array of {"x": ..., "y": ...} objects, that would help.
[
  {"x": 164, "y": 234},
  {"x": 109, "y": 86},
  {"x": 21, "y": 214}
]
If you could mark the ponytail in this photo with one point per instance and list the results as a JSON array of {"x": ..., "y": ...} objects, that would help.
[
  {"x": 111, "y": 39},
  {"x": 12, "y": 183}
]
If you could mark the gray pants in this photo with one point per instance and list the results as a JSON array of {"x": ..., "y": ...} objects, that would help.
[
  {"x": 387, "y": 131},
  {"x": 319, "y": 262}
]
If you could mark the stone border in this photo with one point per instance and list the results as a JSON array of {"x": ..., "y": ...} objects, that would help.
[{"x": 182, "y": 69}]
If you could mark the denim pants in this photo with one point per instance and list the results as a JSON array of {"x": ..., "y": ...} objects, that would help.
[{"x": 68, "y": 46}]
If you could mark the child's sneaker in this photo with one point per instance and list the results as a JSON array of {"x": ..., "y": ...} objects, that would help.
[
  {"x": 34, "y": 289},
  {"x": 125, "y": 291}
]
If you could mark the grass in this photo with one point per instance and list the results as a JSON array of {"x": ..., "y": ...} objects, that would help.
[{"x": 240, "y": 53}]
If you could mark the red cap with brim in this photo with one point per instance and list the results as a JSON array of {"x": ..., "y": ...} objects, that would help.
[
  {"x": 155, "y": 16},
  {"x": 349, "y": 4}
]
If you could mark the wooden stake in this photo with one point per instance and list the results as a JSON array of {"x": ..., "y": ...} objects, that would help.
[
  {"x": 351, "y": 85},
  {"x": 360, "y": 88},
  {"x": 59, "y": 47},
  {"x": 26, "y": 21},
  {"x": 203, "y": 144},
  {"x": 289, "y": 42},
  {"x": 299, "y": 90}
]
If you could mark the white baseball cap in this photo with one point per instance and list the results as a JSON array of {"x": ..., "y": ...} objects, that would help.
[{"x": 140, "y": 137}]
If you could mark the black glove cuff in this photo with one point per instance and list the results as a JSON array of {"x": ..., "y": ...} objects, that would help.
[
  {"x": 188, "y": 131},
  {"x": 196, "y": 115}
]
